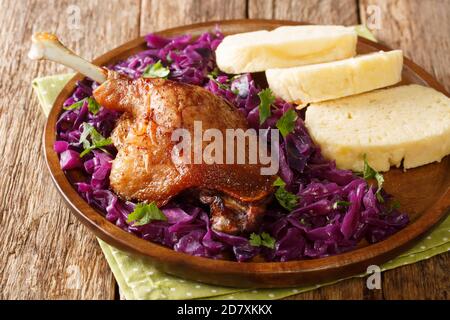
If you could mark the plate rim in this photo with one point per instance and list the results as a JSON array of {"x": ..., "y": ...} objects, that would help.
[{"x": 223, "y": 272}]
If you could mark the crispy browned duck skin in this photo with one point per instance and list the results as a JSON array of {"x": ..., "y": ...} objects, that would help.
[{"x": 143, "y": 169}]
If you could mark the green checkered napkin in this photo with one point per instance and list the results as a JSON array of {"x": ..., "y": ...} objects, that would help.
[{"x": 140, "y": 279}]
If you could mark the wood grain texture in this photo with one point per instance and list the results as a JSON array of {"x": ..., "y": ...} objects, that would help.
[
  {"x": 314, "y": 11},
  {"x": 351, "y": 289},
  {"x": 45, "y": 252},
  {"x": 420, "y": 28},
  {"x": 157, "y": 15},
  {"x": 428, "y": 279}
]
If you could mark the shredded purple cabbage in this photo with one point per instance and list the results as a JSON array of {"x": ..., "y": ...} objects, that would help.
[{"x": 315, "y": 228}]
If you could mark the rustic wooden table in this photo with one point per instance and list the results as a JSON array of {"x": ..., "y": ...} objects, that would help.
[{"x": 42, "y": 246}]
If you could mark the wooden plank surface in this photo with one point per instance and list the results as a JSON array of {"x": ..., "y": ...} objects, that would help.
[
  {"x": 314, "y": 11},
  {"x": 43, "y": 249},
  {"x": 420, "y": 28}
]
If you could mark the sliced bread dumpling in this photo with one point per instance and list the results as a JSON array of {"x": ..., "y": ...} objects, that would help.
[
  {"x": 333, "y": 80},
  {"x": 406, "y": 124},
  {"x": 283, "y": 47}
]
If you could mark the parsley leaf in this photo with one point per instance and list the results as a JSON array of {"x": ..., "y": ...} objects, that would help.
[
  {"x": 264, "y": 239},
  {"x": 279, "y": 182},
  {"x": 221, "y": 85},
  {"x": 97, "y": 140},
  {"x": 394, "y": 205},
  {"x": 156, "y": 70},
  {"x": 267, "y": 98},
  {"x": 213, "y": 77},
  {"x": 304, "y": 222},
  {"x": 145, "y": 213},
  {"x": 75, "y": 105},
  {"x": 93, "y": 106},
  {"x": 370, "y": 173},
  {"x": 267, "y": 240},
  {"x": 255, "y": 240},
  {"x": 286, "y": 199},
  {"x": 340, "y": 204},
  {"x": 286, "y": 123}
]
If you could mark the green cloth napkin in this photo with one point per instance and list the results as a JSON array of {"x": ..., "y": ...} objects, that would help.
[{"x": 138, "y": 278}]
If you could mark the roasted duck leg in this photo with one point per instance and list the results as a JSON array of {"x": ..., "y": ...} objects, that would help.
[{"x": 145, "y": 168}]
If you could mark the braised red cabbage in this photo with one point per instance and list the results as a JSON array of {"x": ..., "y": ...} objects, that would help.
[{"x": 318, "y": 226}]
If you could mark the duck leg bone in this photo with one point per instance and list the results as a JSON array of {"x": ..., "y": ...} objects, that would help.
[{"x": 47, "y": 46}]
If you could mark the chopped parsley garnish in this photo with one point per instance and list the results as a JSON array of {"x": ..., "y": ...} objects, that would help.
[
  {"x": 394, "y": 205},
  {"x": 145, "y": 213},
  {"x": 213, "y": 77},
  {"x": 279, "y": 182},
  {"x": 97, "y": 141},
  {"x": 286, "y": 199},
  {"x": 93, "y": 105},
  {"x": 304, "y": 222},
  {"x": 213, "y": 74},
  {"x": 338, "y": 204},
  {"x": 266, "y": 98},
  {"x": 370, "y": 173},
  {"x": 75, "y": 105},
  {"x": 221, "y": 85},
  {"x": 286, "y": 123},
  {"x": 263, "y": 239},
  {"x": 156, "y": 70}
]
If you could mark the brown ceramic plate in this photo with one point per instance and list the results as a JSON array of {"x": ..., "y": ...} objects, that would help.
[{"x": 423, "y": 192}]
